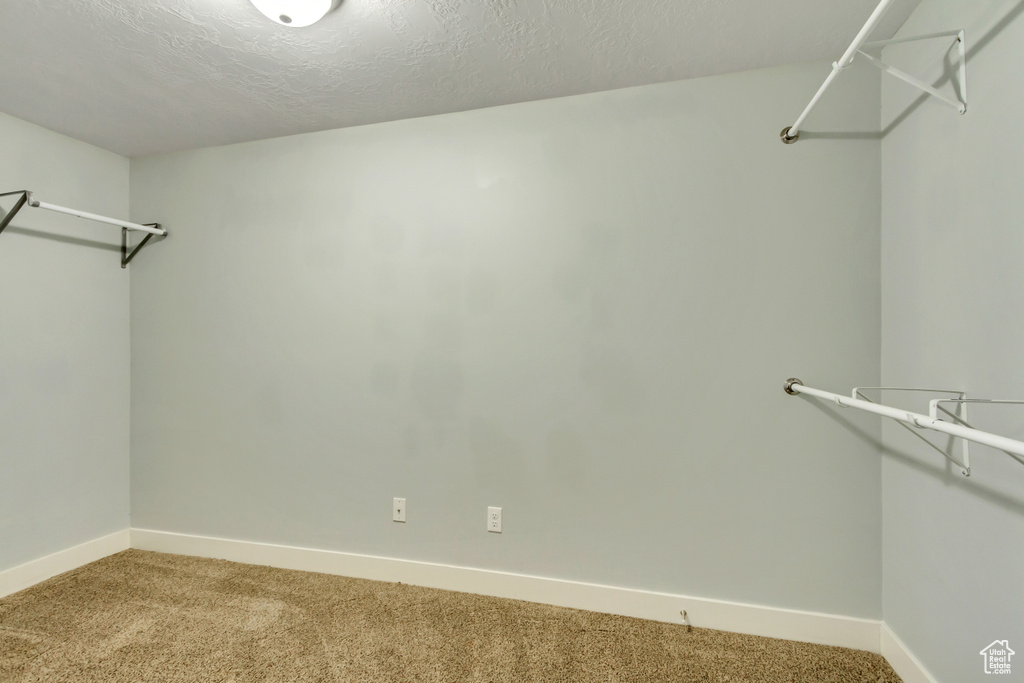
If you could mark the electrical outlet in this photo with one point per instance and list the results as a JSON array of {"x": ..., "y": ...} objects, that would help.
[
  {"x": 398, "y": 512},
  {"x": 494, "y": 520}
]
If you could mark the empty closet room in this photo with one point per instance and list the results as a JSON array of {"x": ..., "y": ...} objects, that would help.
[{"x": 518, "y": 340}]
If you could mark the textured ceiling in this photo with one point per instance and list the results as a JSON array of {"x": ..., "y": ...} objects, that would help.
[{"x": 144, "y": 76}]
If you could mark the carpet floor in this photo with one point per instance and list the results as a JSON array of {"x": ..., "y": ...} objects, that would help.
[{"x": 141, "y": 616}]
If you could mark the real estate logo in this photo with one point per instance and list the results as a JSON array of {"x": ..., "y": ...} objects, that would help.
[{"x": 997, "y": 657}]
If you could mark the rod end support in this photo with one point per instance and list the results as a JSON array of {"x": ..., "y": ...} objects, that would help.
[
  {"x": 788, "y": 386},
  {"x": 784, "y": 136}
]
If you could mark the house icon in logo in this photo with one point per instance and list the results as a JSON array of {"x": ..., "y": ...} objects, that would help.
[{"x": 997, "y": 657}]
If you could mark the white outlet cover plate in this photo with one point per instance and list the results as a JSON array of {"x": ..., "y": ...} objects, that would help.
[{"x": 494, "y": 520}]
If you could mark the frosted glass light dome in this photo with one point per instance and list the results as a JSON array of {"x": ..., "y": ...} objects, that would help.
[{"x": 295, "y": 13}]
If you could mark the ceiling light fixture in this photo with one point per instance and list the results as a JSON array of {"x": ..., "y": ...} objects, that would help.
[{"x": 295, "y": 13}]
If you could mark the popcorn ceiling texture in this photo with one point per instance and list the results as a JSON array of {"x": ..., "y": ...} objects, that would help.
[{"x": 144, "y": 76}]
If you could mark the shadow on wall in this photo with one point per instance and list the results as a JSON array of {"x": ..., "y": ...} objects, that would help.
[
  {"x": 947, "y": 473},
  {"x": 78, "y": 241},
  {"x": 950, "y": 75}
]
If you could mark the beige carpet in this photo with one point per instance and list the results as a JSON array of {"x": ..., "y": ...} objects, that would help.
[{"x": 139, "y": 616}]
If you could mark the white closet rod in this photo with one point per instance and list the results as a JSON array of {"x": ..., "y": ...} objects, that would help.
[
  {"x": 795, "y": 386},
  {"x": 95, "y": 217},
  {"x": 790, "y": 134}
]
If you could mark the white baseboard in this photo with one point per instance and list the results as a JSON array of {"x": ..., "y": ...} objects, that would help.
[
  {"x": 902, "y": 660},
  {"x": 29, "y": 574},
  {"x": 811, "y": 627}
]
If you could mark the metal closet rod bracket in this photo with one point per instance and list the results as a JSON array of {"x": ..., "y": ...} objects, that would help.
[
  {"x": 26, "y": 197},
  {"x": 959, "y": 428},
  {"x": 6, "y": 218},
  {"x": 964, "y": 462},
  {"x": 127, "y": 257}
]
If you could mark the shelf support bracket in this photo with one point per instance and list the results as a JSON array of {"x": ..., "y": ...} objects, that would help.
[
  {"x": 959, "y": 104},
  {"x": 127, "y": 257},
  {"x": 964, "y": 463},
  {"x": 935, "y": 406},
  {"x": 6, "y": 218}
]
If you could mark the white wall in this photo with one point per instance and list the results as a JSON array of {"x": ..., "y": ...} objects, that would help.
[
  {"x": 64, "y": 344},
  {"x": 952, "y": 292},
  {"x": 581, "y": 310}
]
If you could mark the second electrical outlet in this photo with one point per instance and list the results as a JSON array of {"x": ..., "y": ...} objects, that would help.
[{"x": 494, "y": 520}]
